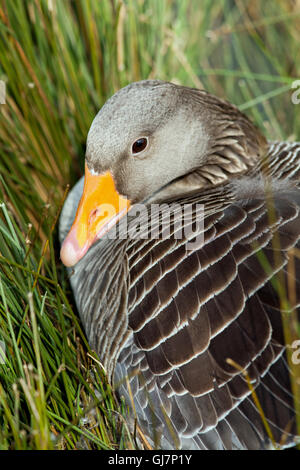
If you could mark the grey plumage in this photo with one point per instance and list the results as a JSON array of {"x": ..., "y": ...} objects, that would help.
[{"x": 168, "y": 316}]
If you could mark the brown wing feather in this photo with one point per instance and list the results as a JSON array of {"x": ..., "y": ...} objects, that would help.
[{"x": 192, "y": 320}]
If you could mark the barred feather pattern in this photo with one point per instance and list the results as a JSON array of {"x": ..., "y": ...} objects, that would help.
[{"x": 165, "y": 317}]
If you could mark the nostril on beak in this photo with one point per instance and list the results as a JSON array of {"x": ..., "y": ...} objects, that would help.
[{"x": 93, "y": 215}]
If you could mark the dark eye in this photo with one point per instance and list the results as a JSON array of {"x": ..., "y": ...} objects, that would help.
[{"x": 139, "y": 145}]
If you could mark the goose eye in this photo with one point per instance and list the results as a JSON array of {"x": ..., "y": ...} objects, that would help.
[{"x": 139, "y": 145}]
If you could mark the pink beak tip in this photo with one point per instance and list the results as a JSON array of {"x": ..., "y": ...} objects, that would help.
[{"x": 69, "y": 254}]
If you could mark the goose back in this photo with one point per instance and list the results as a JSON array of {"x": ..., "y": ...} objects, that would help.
[{"x": 166, "y": 314}]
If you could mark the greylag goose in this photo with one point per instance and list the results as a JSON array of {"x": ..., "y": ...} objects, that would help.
[{"x": 184, "y": 315}]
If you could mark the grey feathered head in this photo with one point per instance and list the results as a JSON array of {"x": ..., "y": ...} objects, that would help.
[{"x": 186, "y": 130}]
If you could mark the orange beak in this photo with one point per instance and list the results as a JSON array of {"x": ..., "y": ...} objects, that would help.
[{"x": 99, "y": 209}]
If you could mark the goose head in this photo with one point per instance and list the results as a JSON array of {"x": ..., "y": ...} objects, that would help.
[{"x": 155, "y": 139}]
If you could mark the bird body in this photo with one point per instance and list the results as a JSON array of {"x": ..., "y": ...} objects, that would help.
[{"x": 181, "y": 321}]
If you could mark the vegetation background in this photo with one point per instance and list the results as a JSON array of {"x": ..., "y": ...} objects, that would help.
[{"x": 60, "y": 60}]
